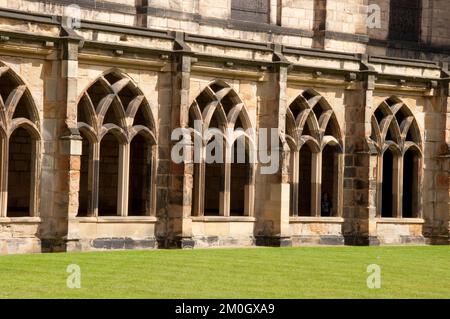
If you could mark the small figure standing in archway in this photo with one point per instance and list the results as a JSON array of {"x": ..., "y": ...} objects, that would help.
[{"x": 327, "y": 205}]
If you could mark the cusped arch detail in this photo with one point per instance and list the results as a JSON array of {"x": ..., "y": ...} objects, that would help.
[
  {"x": 16, "y": 103},
  {"x": 393, "y": 123},
  {"x": 114, "y": 100},
  {"x": 310, "y": 115},
  {"x": 219, "y": 98}
]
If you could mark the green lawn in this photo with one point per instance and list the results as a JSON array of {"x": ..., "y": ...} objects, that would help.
[{"x": 311, "y": 272}]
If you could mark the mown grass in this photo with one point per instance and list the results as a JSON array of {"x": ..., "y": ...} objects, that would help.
[{"x": 310, "y": 272}]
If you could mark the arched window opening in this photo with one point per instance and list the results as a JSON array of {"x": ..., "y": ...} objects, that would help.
[
  {"x": 411, "y": 162},
  {"x": 214, "y": 181},
  {"x": 329, "y": 180},
  {"x": 116, "y": 174},
  {"x": 20, "y": 140},
  {"x": 220, "y": 188},
  {"x": 213, "y": 188},
  {"x": 304, "y": 181},
  {"x": 315, "y": 125},
  {"x": 139, "y": 194},
  {"x": 387, "y": 185},
  {"x": 395, "y": 130},
  {"x": 84, "y": 192},
  {"x": 108, "y": 176},
  {"x": 240, "y": 179},
  {"x": 19, "y": 173}
]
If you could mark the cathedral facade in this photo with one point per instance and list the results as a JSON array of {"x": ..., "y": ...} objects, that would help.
[{"x": 92, "y": 94}]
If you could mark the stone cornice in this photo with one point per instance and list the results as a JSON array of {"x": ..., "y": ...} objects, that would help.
[{"x": 180, "y": 45}]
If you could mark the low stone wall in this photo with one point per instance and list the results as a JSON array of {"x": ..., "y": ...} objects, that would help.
[
  {"x": 221, "y": 232},
  {"x": 316, "y": 231},
  {"x": 106, "y": 233},
  {"x": 400, "y": 231},
  {"x": 19, "y": 236}
]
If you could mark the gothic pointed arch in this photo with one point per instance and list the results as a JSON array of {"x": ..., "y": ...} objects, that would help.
[
  {"x": 20, "y": 141},
  {"x": 316, "y": 144},
  {"x": 119, "y": 133},
  {"x": 397, "y": 139},
  {"x": 224, "y": 118}
]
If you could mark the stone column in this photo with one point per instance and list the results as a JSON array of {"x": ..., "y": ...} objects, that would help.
[
  {"x": 436, "y": 179},
  {"x": 180, "y": 175},
  {"x": 360, "y": 162},
  {"x": 70, "y": 145},
  {"x": 273, "y": 190}
]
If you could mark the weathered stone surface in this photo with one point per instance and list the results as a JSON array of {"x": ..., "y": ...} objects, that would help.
[{"x": 67, "y": 185}]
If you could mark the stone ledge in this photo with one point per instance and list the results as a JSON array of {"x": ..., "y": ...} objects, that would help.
[
  {"x": 324, "y": 220},
  {"x": 223, "y": 219},
  {"x": 400, "y": 220},
  {"x": 20, "y": 220},
  {"x": 118, "y": 219}
]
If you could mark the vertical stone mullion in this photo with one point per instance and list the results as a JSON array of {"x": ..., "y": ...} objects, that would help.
[
  {"x": 4, "y": 176},
  {"x": 153, "y": 158},
  {"x": 316, "y": 183},
  {"x": 397, "y": 186},
  {"x": 198, "y": 192},
  {"x": 123, "y": 179},
  {"x": 250, "y": 192},
  {"x": 94, "y": 175},
  {"x": 35, "y": 181},
  {"x": 225, "y": 193},
  {"x": 295, "y": 181},
  {"x": 201, "y": 189},
  {"x": 419, "y": 193},
  {"x": 339, "y": 185},
  {"x": 379, "y": 186}
]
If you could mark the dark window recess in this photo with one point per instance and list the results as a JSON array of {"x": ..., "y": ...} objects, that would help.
[
  {"x": 250, "y": 10},
  {"x": 405, "y": 20}
]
